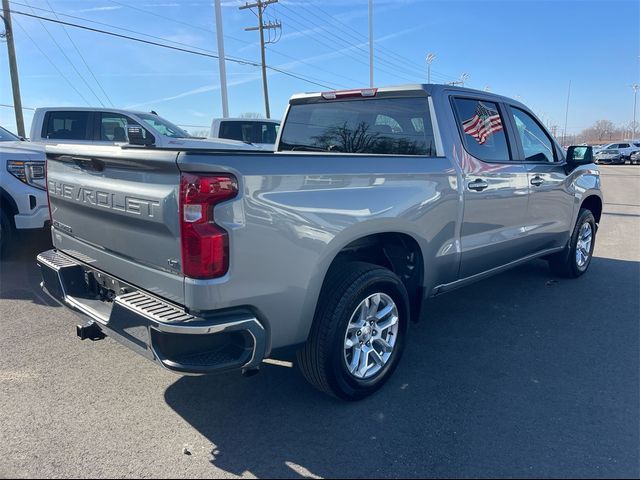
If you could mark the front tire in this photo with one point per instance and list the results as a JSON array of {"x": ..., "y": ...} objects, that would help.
[
  {"x": 7, "y": 232},
  {"x": 358, "y": 333},
  {"x": 575, "y": 260}
]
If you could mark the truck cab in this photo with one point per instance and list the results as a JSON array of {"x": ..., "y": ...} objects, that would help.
[{"x": 109, "y": 127}]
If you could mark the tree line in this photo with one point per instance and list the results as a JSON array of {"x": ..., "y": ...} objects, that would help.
[{"x": 602, "y": 131}]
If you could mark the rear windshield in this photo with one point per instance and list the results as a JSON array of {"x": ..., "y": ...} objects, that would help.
[
  {"x": 253, "y": 132},
  {"x": 400, "y": 126}
]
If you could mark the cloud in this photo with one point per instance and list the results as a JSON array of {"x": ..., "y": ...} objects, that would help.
[
  {"x": 97, "y": 9},
  {"x": 195, "y": 91},
  {"x": 256, "y": 76}
]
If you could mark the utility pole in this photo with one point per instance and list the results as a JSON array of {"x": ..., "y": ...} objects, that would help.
[
  {"x": 430, "y": 58},
  {"x": 261, "y": 5},
  {"x": 13, "y": 68},
  {"x": 221, "y": 61},
  {"x": 635, "y": 87},
  {"x": 371, "y": 43}
]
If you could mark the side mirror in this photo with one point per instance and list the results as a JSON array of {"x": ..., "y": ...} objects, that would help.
[
  {"x": 579, "y": 155},
  {"x": 139, "y": 136}
]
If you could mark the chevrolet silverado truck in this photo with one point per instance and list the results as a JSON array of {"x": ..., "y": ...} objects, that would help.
[{"x": 375, "y": 200}]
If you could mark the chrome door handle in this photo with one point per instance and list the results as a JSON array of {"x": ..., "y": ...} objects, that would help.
[
  {"x": 537, "y": 181},
  {"x": 478, "y": 185}
]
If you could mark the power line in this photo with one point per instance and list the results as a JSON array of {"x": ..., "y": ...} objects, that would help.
[
  {"x": 225, "y": 36},
  {"x": 24, "y": 30},
  {"x": 171, "y": 47},
  {"x": 390, "y": 55},
  {"x": 175, "y": 20},
  {"x": 11, "y": 106},
  {"x": 391, "y": 62},
  {"x": 81, "y": 56},
  {"x": 324, "y": 43},
  {"x": 64, "y": 54},
  {"x": 111, "y": 26}
]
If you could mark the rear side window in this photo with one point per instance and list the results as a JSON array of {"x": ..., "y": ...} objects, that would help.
[
  {"x": 254, "y": 132},
  {"x": 67, "y": 126},
  {"x": 536, "y": 143},
  {"x": 400, "y": 126},
  {"x": 482, "y": 128}
]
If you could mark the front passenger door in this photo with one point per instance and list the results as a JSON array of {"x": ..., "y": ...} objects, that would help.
[{"x": 551, "y": 203}]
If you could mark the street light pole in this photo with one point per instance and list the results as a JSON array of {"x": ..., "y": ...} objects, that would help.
[
  {"x": 221, "y": 61},
  {"x": 371, "y": 43},
  {"x": 635, "y": 87},
  {"x": 430, "y": 58}
]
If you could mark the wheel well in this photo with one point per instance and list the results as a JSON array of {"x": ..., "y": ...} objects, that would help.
[
  {"x": 8, "y": 205},
  {"x": 594, "y": 204},
  {"x": 398, "y": 252}
]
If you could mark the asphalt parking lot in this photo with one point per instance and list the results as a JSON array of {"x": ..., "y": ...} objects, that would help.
[{"x": 521, "y": 375}]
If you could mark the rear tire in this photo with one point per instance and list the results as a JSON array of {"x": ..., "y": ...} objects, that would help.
[
  {"x": 575, "y": 260},
  {"x": 356, "y": 292}
]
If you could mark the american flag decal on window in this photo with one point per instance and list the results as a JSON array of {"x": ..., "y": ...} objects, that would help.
[{"x": 483, "y": 124}]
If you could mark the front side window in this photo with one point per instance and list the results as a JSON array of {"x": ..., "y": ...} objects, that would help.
[
  {"x": 536, "y": 143},
  {"x": 162, "y": 126},
  {"x": 482, "y": 127},
  {"x": 113, "y": 127},
  {"x": 386, "y": 126},
  {"x": 67, "y": 126}
]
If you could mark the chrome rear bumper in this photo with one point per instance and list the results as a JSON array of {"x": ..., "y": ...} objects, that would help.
[{"x": 159, "y": 330}]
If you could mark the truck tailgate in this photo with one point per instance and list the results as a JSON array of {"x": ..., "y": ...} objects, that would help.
[{"x": 118, "y": 210}]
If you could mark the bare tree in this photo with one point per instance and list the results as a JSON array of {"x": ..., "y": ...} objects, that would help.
[{"x": 604, "y": 129}]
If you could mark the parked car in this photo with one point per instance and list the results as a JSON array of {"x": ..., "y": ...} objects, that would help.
[
  {"x": 635, "y": 158},
  {"x": 610, "y": 156},
  {"x": 108, "y": 126},
  {"x": 23, "y": 200},
  {"x": 625, "y": 149},
  {"x": 258, "y": 131},
  {"x": 375, "y": 200}
]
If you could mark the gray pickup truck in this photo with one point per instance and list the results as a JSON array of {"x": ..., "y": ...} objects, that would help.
[{"x": 375, "y": 200}]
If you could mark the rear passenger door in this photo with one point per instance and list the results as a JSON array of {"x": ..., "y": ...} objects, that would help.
[
  {"x": 495, "y": 187},
  {"x": 551, "y": 203}
]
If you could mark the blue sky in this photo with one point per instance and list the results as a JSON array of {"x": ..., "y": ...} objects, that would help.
[{"x": 524, "y": 49}]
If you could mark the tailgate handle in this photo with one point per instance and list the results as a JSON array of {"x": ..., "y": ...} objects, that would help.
[{"x": 85, "y": 163}]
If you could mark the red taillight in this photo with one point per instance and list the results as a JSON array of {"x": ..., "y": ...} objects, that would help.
[{"x": 205, "y": 245}]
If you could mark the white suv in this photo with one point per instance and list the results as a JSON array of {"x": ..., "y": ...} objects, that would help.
[
  {"x": 625, "y": 148},
  {"x": 23, "y": 199}
]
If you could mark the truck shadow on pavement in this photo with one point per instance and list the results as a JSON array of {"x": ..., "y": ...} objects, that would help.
[
  {"x": 19, "y": 274},
  {"x": 522, "y": 374}
]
